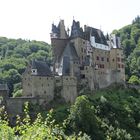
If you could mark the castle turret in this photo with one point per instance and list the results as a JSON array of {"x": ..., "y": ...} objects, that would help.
[
  {"x": 63, "y": 33},
  {"x": 76, "y": 30},
  {"x": 59, "y": 39},
  {"x": 59, "y": 31}
]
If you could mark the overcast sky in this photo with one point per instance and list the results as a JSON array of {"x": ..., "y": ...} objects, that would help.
[{"x": 32, "y": 19}]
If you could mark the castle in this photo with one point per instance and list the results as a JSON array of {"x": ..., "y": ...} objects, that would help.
[{"x": 81, "y": 57}]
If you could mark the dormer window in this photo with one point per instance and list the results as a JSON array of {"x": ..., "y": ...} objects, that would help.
[{"x": 34, "y": 71}]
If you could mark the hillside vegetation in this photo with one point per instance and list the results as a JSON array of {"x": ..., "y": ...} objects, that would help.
[
  {"x": 109, "y": 114},
  {"x": 14, "y": 57},
  {"x": 130, "y": 39}
]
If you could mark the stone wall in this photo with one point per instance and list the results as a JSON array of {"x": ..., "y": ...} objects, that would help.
[
  {"x": 69, "y": 88},
  {"x": 38, "y": 86},
  {"x": 43, "y": 87},
  {"x": 16, "y": 105},
  {"x": 27, "y": 82}
]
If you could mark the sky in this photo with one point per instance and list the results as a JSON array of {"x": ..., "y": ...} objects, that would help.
[{"x": 32, "y": 19}]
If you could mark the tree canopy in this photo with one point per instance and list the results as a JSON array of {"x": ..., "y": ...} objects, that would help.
[
  {"x": 15, "y": 55},
  {"x": 130, "y": 40}
]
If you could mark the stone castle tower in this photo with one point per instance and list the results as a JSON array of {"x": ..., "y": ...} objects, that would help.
[
  {"x": 88, "y": 55},
  {"x": 83, "y": 57}
]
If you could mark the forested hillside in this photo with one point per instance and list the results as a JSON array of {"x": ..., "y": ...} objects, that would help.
[
  {"x": 108, "y": 114},
  {"x": 14, "y": 56},
  {"x": 111, "y": 114},
  {"x": 130, "y": 39}
]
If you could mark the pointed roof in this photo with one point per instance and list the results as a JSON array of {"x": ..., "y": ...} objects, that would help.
[
  {"x": 76, "y": 30},
  {"x": 69, "y": 55},
  {"x": 59, "y": 49},
  {"x": 70, "y": 51}
]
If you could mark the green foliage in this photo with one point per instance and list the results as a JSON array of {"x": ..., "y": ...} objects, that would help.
[
  {"x": 15, "y": 54},
  {"x": 134, "y": 80},
  {"x": 130, "y": 39},
  {"x": 82, "y": 118},
  {"x": 111, "y": 114},
  {"x": 18, "y": 93},
  {"x": 39, "y": 129}
]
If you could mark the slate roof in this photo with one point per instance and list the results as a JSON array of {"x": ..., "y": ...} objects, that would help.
[
  {"x": 69, "y": 54},
  {"x": 4, "y": 87},
  {"x": 98, "y": 34},
  {"x": 58, "y": 50},
  {"x": 76, "y": 30},
  {"x": 70, "y": 51},
  {"x": 55, "y": 29},
  {"x": 117, "y": 42},
  {"x": 42, "y": 68}
]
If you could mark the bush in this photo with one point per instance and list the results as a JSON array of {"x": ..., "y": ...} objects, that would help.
[
  {"x": 18, "y": 93},
  {"x": 39, "y": 129},
  {"x": 134, "y": 80}
]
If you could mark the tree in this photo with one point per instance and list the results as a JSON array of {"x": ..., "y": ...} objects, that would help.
[
  {"x": 134, "y": 80},
  {"x": 82, "y": 118}
]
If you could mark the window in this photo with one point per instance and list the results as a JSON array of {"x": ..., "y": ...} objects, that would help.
[
  {"x": 113, "y": 60},
  {"x": 45, "y": 92},
  {"x": 82, "y": 76},
  {"x": 107, "y": 59},
  {"x": 122, "y": 60},
  {"x": 119, "y": 66},
  {"x": 118, "y": 59},
  {"x": 97, "y": 58},
  {"x": 34, "y": 71},
  {"x": 82, "y": 68},
  {"x": 122, "y": 66},
  {"x": 102, "y": 59},
  {"x": 103, "y": 66}
]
